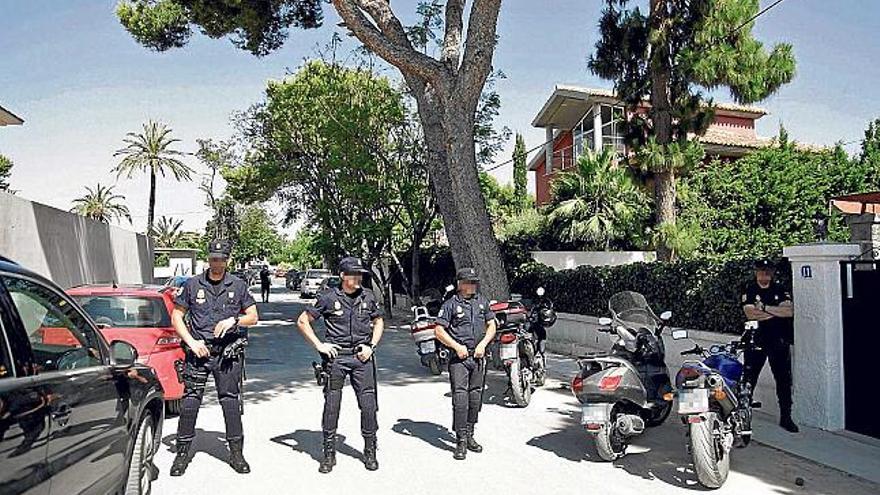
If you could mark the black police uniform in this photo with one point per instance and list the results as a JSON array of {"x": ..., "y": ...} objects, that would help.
[
  {"x": 773, "y": 338},
  {"x": 207, "y": 303},
  {"x": 348, "y": 319},
  {"x": 465, "y": 321},
  {"x": 265, "y": 284}
]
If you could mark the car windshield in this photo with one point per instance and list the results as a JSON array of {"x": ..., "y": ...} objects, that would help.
[
  {"x": 318, "y": 274},
  {"x": 126, "y": 311}
]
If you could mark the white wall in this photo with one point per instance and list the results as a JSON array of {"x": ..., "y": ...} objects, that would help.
[
  {"x": 566, "y": 260},
  {"x": 575, "y": 335},
  {"x": 70, "y": 249}
]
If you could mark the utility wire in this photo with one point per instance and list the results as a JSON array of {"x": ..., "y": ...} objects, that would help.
[{"x": 732, "y": 31}]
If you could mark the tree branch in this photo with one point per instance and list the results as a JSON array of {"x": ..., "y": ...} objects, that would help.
[
  {"x": 451, "y": 53},
  {"x": 479, "y": 48},
  {"x": 389, "y": 40}
]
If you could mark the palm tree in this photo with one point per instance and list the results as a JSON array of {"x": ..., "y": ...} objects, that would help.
[
  {"x": 101, "y": 204},
  {"x": 597, "y": 203},
  {"x": 151, "y": 152},
  {"x": 167, "y": 232}
]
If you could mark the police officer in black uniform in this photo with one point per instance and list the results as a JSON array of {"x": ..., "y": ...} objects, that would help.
[
  {"x": 768, "y": 303},
  {"x": 466, "y": 325},
  {"x": 354, "y": 326},
  {"x": 213, "y": 302}
]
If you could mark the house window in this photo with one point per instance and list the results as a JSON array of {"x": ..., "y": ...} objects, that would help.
[
  {"x": 583, "y": 134},
  {"x": 612, "y": 128}
]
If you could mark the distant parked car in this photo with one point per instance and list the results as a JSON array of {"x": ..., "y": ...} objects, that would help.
[
  {"x": 329, "y": 283},
  {"x": 141, "y": 316},
  {"x": 312, "y": 282},
  {"x": 249, "y": 276},
  {"x": 280, "y": 272},
  {"x": 77, "y": 414}
]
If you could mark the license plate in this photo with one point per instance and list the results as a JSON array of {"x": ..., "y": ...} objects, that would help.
[
  {"x": 594, "y": 413},
  {"x": 509, "y": 351},
  {"x": 693, "y": 401},
  {"x": 428, "y": 346}
]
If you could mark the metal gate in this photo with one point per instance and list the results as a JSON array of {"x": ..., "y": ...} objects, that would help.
[{"x": 861, "y": 344}]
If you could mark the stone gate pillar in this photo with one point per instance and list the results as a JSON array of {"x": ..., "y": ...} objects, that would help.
[{"x": 818, "y": 333}]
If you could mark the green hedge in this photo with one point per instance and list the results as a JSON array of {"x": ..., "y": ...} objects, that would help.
[{"x": 702, "y": 294}]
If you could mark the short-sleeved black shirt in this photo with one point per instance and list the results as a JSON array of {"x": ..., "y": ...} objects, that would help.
[
  {"x": 465, "y": 319},
  {"x": 349, "y": 320},
  {"x": 775, "y": 329},
  {"x": 208, "y": 304}
]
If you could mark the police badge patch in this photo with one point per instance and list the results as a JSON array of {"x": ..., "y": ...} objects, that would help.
[{"x": 200, "y": 296}]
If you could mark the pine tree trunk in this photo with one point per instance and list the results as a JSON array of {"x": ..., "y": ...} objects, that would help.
[
  {"x": 151, "y": 213},
  {"x": 415, "y": 267},
  {"x": 661, "y": 117}
]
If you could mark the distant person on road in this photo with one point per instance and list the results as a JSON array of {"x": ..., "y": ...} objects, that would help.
[
  {"x": 213, "y": 303},
  {"x": 466, "y": 325},
  {"x": 265, "y": 283},
  {"x": 354, "y": 327},
  {"x": 768, "y": 303}
]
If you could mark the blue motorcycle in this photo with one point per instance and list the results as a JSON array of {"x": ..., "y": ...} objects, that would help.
[{"x": 715, "y": 402}]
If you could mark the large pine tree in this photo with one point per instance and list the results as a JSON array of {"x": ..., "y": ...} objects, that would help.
[
  {"x": 520, "y": 170},
  {"x": 673, "y": 56}
]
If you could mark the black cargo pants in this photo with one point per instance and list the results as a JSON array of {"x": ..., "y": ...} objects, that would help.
[
  {"x": 363, "y": 381},
  {"x": 466, "y": 379},
  {"x": 227, "y": 379}
]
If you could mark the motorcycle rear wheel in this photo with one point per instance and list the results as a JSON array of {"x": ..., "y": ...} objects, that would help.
[
  {"x": 540, "y": 370},
  {"x": 520, "y": 388},
  {"x": 711, "y": 461},
  {"x": 609, "y": 445},
  {"x": 434, "y": 365}
]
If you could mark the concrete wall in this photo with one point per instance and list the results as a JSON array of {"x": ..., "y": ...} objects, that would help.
[
  {"x": 70, "y": 249},
  {"x": 566, "y": 260}
]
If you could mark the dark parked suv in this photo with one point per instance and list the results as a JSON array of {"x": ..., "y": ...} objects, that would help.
[{"x": 76, "y": 415}]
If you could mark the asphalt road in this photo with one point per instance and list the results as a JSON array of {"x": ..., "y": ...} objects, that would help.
[{"x": 537, "y": 449}]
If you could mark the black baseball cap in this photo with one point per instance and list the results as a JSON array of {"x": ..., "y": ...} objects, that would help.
[
  {"x": 350, "y": 264},
  {"x": 467, "y": 274},
  {"x": 219, "y": 248},
  {"x": 765, "y": 265}
]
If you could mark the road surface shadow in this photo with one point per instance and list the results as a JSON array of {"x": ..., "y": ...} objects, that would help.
[
  {"x": 212, "y": 443},
  {"x": 433, "y": 434},
  {"x": 312, "y": 443}
]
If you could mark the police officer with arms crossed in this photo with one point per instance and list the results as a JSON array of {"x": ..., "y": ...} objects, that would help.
[
  {"x": 214, "y": 302},
  {"x": 354, "y": 326},
  {"x": 766, "y": 302},
  {"x": 463, "y": 319}
]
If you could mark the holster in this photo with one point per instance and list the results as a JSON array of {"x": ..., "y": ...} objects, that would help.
[{"x": 322, "y": 371}]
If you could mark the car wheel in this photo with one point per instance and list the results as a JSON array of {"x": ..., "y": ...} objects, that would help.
[
  {"x": 140, "y": 467},
  {"x": 172, "y": 407}
]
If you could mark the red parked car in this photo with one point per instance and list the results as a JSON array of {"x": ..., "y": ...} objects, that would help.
[{"x": 141, "y": 316}]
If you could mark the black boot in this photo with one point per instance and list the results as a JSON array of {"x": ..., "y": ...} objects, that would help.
[
  {"x": 181, "y": 460},
  {"x": 329, "y": 459},
  {"x": 787, "y": 423},
  {"x": 472, "y": 444},
  {"x": 461, "y": 447},
  {"x": 370, "y": 454},
  {"x": 236, "y": 457}
]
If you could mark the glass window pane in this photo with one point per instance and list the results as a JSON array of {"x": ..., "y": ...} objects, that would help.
[
  {"x": 126, "y": 311},
  {"x": 60, "y": 337}
]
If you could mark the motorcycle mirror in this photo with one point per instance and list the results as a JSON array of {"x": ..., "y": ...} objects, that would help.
[
  {"x": 679, "y": 334},
  {"x": 666, "y": 315},
  {"x": 540, "y": 292},
  {"x": 751, "y": 325},
  {"x": 605, "y": 321}
]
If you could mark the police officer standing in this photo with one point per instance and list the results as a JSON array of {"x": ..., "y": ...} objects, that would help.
[
  {"x": 466, "y": 325},
  {"x": 354, "y": 326},
  {"x": 265, "y": 283},
  {"x": 766, "y": 302},
  {"x": 214, "y": 303}
]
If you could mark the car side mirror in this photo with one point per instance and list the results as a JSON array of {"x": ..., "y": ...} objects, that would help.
[
  {"x": 679, "y": 334},
  {"x": 540, "y": 292},
  {"x": 605, "y": 321},
  {"x": 122, "y": 354},
  {"x": 666, "y": 315}
]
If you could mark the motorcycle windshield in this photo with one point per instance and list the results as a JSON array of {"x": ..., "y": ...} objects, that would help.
[{"x": 632, "y": 309}]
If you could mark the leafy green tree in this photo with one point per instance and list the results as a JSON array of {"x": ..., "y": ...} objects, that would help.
[
  {"x": 258, "y": 238},
  {"x": 501, "y": 199},
  {"x": 770, "y": 199},
  {"x": 167, "y": 232},
  {"x": 300, "y": 252},
  {"x": 151, "y": 152},
  {"x": 101, "y": 204},
  {"x": 447, "y": 89},
  {"x": 5, "y": 172},
  {"x": 673, "y": 54},
  {"x": 520, "y": 168},
  {"x": 597, "y": 204}
]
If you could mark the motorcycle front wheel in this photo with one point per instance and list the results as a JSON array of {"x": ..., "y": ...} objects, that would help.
[
  {"x": 540, "y": 370},
  {"x": 711, "y": 458},
  {"x": 519, "y": 386}
]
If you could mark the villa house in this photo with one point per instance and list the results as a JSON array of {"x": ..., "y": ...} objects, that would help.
[
  {"x": 9, "y": 118},
  {"x": 578, "y": 119}
]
